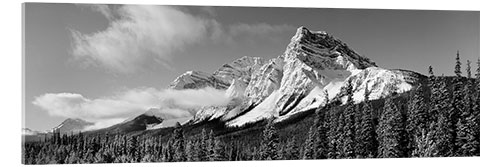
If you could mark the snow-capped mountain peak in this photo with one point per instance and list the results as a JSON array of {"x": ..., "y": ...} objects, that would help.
[
  {"x": 28, "y": 131},
  {"x": 72, "y": 125},
  {"x": 313, "y": 63}
]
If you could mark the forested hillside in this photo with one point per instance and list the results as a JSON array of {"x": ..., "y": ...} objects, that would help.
[{"x": 438, "y": 118}]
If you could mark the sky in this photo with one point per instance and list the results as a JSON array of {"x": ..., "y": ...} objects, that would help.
[{"x": 106, "y": 63}]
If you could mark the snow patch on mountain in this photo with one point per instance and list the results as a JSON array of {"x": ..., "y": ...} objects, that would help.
[
  {"x": 314, "y": 64},
  {"x": 262, "y": 111},
  {"x": 240, "y": 69},
  {"x": 198, "y": 80},
  {"x": 27, "y": 131}
]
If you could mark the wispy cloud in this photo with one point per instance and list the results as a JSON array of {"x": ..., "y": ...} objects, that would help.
[
  {"x": 106, "y": 111},
  {"x": 141, "y": 35}
]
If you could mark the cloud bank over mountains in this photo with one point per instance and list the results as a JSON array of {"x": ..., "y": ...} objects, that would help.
[{"x": 107, "y": 111}]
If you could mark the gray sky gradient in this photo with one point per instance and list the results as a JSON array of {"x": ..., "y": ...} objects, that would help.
[{"x": 404, "y": 39}]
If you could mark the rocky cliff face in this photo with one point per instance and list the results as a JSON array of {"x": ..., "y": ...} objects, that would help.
[
  {"x": 313, "y": 65},
  {"x": 240, "y": 69}
]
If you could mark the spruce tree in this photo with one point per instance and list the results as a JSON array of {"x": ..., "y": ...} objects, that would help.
[
  {"x": 339, "y": 133},
  {"x": 459, "y": 104},
  {"x": 468, "y": 69},
  {"x": 203, "y": 146},
  {"x": 465, "y": 127},
  {"x": 445, "y": 129},
  {"x": 132, "y": 148},
  {"x": 366, "y": 136},
  {"x": 458, "y": 65},
  {"x": 433, "y": 97},
  {"x": 320, "y": 141},
  {"x": 475, "y": 116},
  {"x": 217, "y": 151},
  {"x": 390, "y": 131},
  {"x": 190, "y": 152},
  {"x": 348, "y": 130},
  {"x": 417, "y": 120},
  {"x": 269, "y": 145},
  {"x": 308, "y": 152},
  {"x": 333, "y": 134},
  {"x": 291, "y": 150},
  {"x": 179, "y": 145},
  {"x": 424, "y": 143}
]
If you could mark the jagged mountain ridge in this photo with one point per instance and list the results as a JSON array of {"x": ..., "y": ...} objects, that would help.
[
  {"x": 28, "y": 131},
  {"x": 240, "y": 69},
  {"x": 313, "y": 63},
  {"x": 72, "y": 125}
]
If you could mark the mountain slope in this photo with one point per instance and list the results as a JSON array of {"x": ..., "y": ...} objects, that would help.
[
  {"x": 28, "y": 131},
  {"x": 72, "y": 125},
  {"x": 313, "y": 64}
]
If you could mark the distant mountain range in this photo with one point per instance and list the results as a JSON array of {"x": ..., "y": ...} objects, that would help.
[{"x": 315, "y": 67}]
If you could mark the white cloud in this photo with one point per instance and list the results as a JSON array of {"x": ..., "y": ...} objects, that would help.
[
  {"x": 106, "y": 111},
  {"x": 141, "y": 35}
]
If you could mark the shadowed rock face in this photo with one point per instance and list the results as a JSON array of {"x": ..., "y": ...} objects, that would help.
[{"x": 313, "y": 63}]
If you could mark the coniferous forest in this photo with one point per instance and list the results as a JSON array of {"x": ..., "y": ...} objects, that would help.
[{"x": 437, "y": 118}]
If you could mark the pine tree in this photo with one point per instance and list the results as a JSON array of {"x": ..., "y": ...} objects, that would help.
[
  {"x": 390, "y": 131},
  {"x": 444, "y": 133},
  {"x": 132, "y": 148},
  {"x": 269, "y": 145},
  {"x": 417, "y": 120},
  {"x": 458, "y": 65},
  {"x": 474, "y": 119},
  {"x": 366, "y": 136},
  {"x": 203, "y": 146},
  {"x": 459, "y": 104},
  {"x": 190, "y": 152},
  {"x": 424, "y": 143},
  {"x": 433, "y": 99},
  {"x": 215, "y": 149},
  {"x": 339, "y": 136},
  {"x": 179, "y": 145},
  {"x": 333, "y": 135},
  {"x": 431, "y": 71},
  {"x": 465, "y": 139},
  {"x": 468, "y": 69},
  {"x": 291, "y": 150},
  {"x": 320, "y": 142},
  {"x": 309, "y": 145},
  {"x": 348, "y": 130},
  {"x": 218, "y": 151}
]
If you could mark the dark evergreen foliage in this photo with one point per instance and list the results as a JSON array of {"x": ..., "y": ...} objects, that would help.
[
  {"x": 365, "y": 132},
  {"x": 390, "y": 131},
  {"x": 444, "y": 129},
  {"x": 418, "y": 117},
  {"x": 269, "y": 145},
  {"x": 440, "y": 117},
  {"x": 308, "y": 150}
]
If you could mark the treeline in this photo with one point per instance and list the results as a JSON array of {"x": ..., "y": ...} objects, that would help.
[
  {"x": 71, "y": 149},
  {"x": 439, "y": 118}
]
